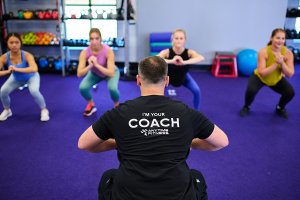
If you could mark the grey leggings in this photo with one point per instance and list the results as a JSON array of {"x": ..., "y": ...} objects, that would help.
[{"x": 33, "y": 85}]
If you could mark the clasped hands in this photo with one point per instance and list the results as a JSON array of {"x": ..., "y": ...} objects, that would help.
[
  {"x": 177, "y": 60},
  {"x": 279, "y": 58},
  {"x": 12, "y": 68},
  {"x": 93, "y": 61}
]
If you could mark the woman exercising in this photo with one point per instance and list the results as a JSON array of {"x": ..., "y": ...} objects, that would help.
[
  {"x": 23, "y": 70},
  {"x": 275, "y": 62},
  {"x": 179, "y": 59},
  {"x": 97, "y": 62}
]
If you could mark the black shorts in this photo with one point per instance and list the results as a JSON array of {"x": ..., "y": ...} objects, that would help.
[{"x": 105, "y": 185}]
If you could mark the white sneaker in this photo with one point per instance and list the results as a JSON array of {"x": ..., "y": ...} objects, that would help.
[
  {"x": 5, "y": 114},
  {"x": 45, "y": 115}
]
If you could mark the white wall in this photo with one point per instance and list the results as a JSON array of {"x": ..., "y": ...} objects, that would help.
[{"x": 211, "y": 25}]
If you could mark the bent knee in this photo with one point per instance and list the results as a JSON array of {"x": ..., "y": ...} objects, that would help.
[
  {"x": 289, "y": 92},
  {"x": 4, "y": 91}
]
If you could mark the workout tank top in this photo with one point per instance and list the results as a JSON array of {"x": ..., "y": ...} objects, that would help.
[
  {"x": 19, "y": 76},
  {"x": 101, "y": 58},
  {"x": 177, "y": 73},
  {"x": 276, "y": 75}
]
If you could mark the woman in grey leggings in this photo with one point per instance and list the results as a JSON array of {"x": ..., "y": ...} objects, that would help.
[{"x": 23, "y": 70}]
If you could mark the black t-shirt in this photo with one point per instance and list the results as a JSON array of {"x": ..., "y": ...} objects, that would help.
[
  {"x": 177, "y": 73},
  {"x": 153, "y": 135}
]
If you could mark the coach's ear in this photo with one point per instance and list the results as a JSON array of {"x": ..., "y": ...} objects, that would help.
[
  {"x": 138, "y": 80},
  {"x": 167, "y": 79}
]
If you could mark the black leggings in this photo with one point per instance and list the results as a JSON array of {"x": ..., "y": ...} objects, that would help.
[
  {"x": 283, "y": 87},
  {"x": 106, "y": 182}
]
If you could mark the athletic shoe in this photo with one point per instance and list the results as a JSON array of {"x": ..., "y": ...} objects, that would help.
[
  {"x": 89, "y": 110},
  {"x": 282, "y": 112},
  {"x": 245, "y": 111},
  {"x": 45, "y": 115},
  {"x": 5, "y": 114}
]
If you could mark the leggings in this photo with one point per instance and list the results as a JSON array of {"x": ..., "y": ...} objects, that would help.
[
  {"x": 33, "y": 85},
  {"x": 91, "y": 79},
  {"x": 191, "y": 84},
  {"x": 283, "y": 87}
]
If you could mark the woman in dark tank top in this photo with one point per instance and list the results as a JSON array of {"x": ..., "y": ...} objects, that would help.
[{"x": 179, "y": 59}]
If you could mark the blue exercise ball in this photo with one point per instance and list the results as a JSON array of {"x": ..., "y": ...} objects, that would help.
[{"x": 247, "y": 62}]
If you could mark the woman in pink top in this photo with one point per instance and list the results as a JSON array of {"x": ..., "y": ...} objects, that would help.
[{"x": 97, "y": 63}]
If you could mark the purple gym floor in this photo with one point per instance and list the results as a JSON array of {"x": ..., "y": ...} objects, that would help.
[{"x": 40, "y": 160}]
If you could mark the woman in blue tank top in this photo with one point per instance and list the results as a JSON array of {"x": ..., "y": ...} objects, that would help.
[
  {"x": 97, "y": 63},
  {"x": 179, "y": 59},
  {"x": 23, "y": 70}
]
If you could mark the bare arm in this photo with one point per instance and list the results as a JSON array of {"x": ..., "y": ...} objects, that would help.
[
  {"x": 177, "y": 60},
  {"x": 262, "y": 68},
  {"x": 287, "y": 64},
  {"x": 32, "y": 66},
  {"x": 110, "y": 70},
  {"x": 165, "y": 54},
  {"x": 91, "y": 142},
  {"x": 217, "y": 140},
  {"x": 82, "y": 69},
  {"x": 2, "y": 63},
  {"x": 194, "y": 58}
]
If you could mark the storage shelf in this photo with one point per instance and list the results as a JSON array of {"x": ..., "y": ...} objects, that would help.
[
  {"x": 39, "y": 45},
  {"x": 90, "y": 5},
  {"x": 33, "y": 19},
  {"x": 88, "y": 19},
  {"x": 51, "y": 24},
  {"x": 13, "y": 22},
  {"x": 78, "y": 47}
]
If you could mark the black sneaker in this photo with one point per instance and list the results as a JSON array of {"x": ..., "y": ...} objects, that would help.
[
  {"x": 282, "y": 112},
  {"x": 245, "y": 111},
  {"x": 89, "y": 110}
]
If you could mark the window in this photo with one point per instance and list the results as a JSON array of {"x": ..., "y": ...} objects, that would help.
[{"x": 82, "y": 15}]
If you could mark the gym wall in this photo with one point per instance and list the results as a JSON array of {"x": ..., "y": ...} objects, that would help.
[{"x": 213, "y": 25}]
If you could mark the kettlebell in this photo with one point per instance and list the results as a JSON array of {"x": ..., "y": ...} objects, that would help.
[
  {"x": 11, "y": 15},
  {"x": 293, "y": 34},
  {"x": 58, "y": 64},
  {"x": 50, "y": 62},
  {"x": 293, "y": 12},
  {"x": 48, "y": 14},
  {"x": 20, "y": 14},
  {"x": 83, "y": 14},
  {"x": 99, "y": 14},
  {"x": 28, "y": 14},
  {"x": 6, "y": 16},
  {"x": 55, "y": 14},
  {"x": 73, "y": 66},
  {"x": 40, "y": 14},
  {"x": 113, "y": 14},
  {"x": 120, "y": 15},
  {"x": 42, "y": 62}
]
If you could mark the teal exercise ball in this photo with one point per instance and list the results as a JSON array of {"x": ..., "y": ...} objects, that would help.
[{"x": 247, "y": 62}]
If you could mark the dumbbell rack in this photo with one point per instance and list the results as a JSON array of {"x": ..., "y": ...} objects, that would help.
[
  {"x": 15, "y": 22},
  {"x": 69, "y": 50}
]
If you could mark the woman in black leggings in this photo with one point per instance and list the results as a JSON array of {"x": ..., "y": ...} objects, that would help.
[{"x": 275, "y": 62}]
